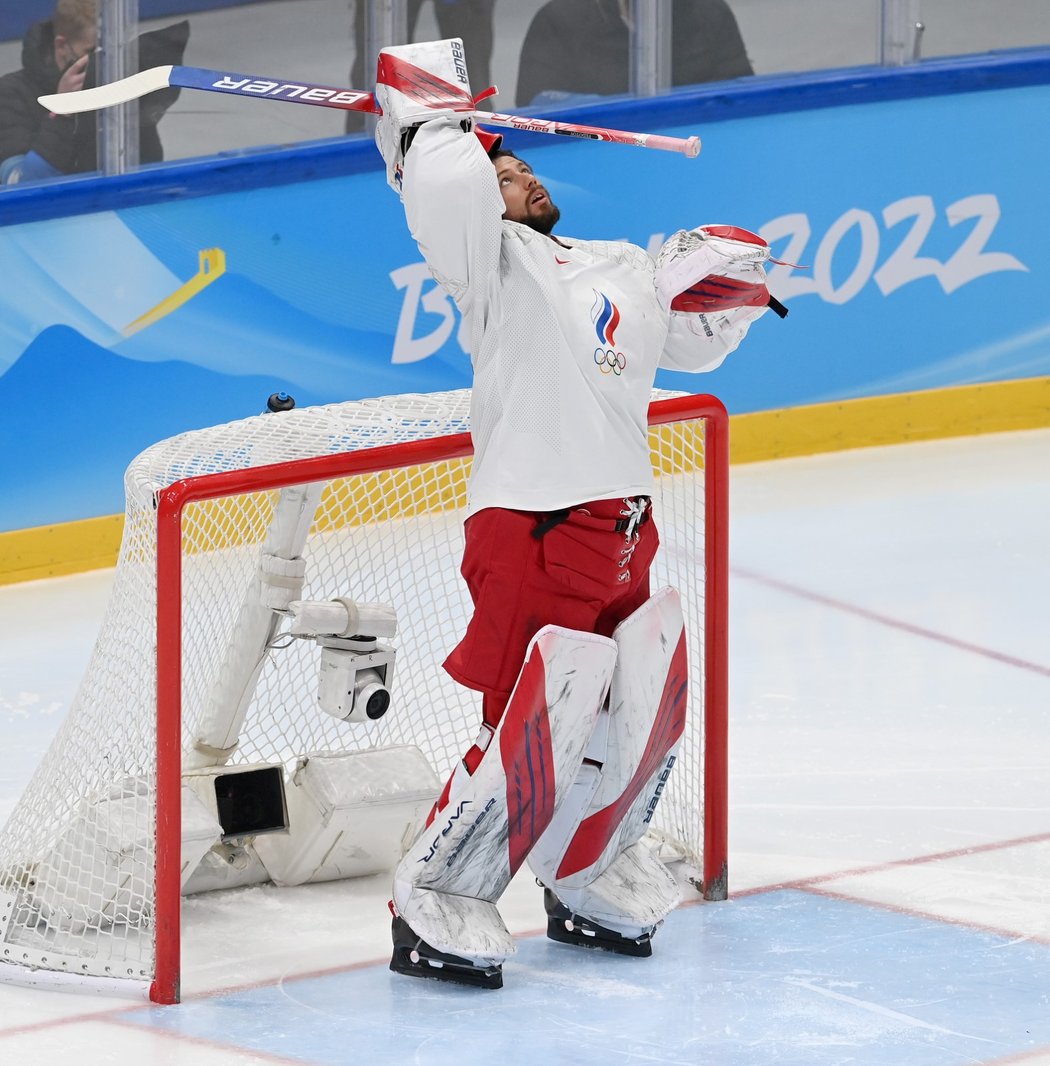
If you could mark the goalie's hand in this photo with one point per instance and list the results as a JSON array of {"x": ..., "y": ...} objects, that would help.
[
  {"x": 416, "y": 83},
  {"x": 714, "y": 268}
]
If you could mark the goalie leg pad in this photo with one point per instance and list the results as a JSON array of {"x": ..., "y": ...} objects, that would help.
[
  {"x": 491, "y": 818},
  {"x": 615, "y": 794},
  {"x": 626, "y": 767},
  {"x": 452, "y": 938},
  {"x": 618, "y": 911}
]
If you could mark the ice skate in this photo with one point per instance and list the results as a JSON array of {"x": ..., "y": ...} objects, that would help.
[
  {"x": 568, "y": 928},
  {"x": 414, "y": 957}
]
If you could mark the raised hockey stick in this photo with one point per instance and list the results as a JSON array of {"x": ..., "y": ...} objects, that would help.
[
  {"x": 688, "y": 146},
  {"x": 148, "y": 81}
]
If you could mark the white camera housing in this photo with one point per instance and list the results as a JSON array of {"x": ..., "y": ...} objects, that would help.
[
  {"x": 356, "y": 670},
  {"x": 341, "y": 617},
  {"x": 355, "y": 678}
]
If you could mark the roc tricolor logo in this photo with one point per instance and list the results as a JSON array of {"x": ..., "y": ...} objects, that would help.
[{"x": 606, "y": 318}]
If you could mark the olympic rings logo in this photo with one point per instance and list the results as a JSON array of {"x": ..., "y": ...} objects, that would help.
[{"x": 610, "y": 362}]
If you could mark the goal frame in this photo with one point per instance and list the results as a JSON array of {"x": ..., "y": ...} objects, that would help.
[{"x": 170, "y": 505}]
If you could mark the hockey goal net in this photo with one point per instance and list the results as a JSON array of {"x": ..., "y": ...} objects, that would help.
[{"x": 194, "y": 680}]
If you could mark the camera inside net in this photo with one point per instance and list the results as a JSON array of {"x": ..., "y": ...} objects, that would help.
[
  {"x": 356, "y": 670},
  {"x": 355, "y": 678}
]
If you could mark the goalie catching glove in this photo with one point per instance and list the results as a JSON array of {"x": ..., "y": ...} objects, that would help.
[
  {"x": 714, "y": 268},
  {"x": 414, "y": 84}
]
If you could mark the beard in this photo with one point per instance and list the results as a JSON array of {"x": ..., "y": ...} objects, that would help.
[{"x": 543, "y": 218}]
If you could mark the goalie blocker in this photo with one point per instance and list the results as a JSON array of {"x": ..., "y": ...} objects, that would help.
[
  {"x": 570, "y": 779},
  {"x": 416, "y": 83}
]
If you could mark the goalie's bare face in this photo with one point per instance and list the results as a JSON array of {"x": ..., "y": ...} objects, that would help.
[{"x": 525, "y": 200}]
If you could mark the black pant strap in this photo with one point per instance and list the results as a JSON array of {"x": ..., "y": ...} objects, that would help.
[{"x": 555, "y": 518}]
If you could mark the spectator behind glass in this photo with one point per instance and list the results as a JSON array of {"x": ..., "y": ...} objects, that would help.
[
  {"x": 470, "y": 20},
  {"x": 57, "y": 57},
  {"x": 581, "y": 47}
]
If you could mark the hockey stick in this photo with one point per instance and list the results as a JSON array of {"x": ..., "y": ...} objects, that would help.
[
  {"x": 148, "y": 81},
  {"x": 688, "y": 146}
]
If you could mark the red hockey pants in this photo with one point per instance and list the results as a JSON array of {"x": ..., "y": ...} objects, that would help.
[{"x": 583, "y": 573}]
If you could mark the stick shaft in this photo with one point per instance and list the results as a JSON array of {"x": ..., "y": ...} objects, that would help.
[
  {"x": 689, "y": 146},
  {"x": 294, "y": 92}
]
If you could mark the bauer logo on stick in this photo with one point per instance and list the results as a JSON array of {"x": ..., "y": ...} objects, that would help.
[{"x": 313, "y": 94}]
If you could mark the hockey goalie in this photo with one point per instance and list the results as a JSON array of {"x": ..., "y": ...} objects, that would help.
[{"x": 582, "y": 672}]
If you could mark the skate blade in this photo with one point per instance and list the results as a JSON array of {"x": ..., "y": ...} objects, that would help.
[{"x": 600, "y": 939}]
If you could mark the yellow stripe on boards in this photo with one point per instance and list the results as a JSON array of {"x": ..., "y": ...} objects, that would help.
[
  {"x": 875, "y": 420},
  {"x": 53, "y": 551},
  {"x": 93, "y": 543}
]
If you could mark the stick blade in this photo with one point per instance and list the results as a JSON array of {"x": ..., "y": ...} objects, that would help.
[{"x": 117, "y": 92}]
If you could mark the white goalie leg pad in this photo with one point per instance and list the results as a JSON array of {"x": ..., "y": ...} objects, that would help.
[
  {"x": 631, "y": 897},
  {"x": 615, "y": 794},
  {"x": 471, "y": 929},
  {"x": 491, "y": 819},
  {"x": 415, "y": 83}
]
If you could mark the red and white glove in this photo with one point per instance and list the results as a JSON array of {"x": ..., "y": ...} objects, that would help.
[
  {"x": 414, "y": 84},
  {"x": 714, "y": 268}
]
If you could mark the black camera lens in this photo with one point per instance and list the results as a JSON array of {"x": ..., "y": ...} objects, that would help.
[{"x": 378, "y": 704}]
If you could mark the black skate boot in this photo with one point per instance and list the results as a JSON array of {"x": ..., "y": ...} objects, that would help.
[
  {"x": 416, "y": 958},
  {"x": 568, "y": 928}
]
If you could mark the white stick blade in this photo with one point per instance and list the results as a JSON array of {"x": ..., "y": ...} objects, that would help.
[{"x": 117, "y": 92}]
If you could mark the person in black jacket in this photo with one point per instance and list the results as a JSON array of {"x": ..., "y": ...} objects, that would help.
[
  {"x": 57, "y": 57},
  {"x": 581, "y": 47}
]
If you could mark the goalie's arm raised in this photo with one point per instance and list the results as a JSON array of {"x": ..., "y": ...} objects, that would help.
[
  {"x": 433, "y": 158},
  {"x": 454, "y": 208}
]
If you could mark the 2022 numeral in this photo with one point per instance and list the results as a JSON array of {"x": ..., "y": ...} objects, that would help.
[{"x": 904, "y": 264}]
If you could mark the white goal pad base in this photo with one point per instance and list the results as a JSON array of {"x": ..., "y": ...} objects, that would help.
[{"x": 349, "y": 814}]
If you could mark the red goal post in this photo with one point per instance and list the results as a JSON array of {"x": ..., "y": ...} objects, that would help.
[{"x": 399, "y": 507}]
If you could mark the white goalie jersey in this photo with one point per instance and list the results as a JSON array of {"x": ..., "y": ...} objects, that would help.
[{"x": 565, "y": 335}]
